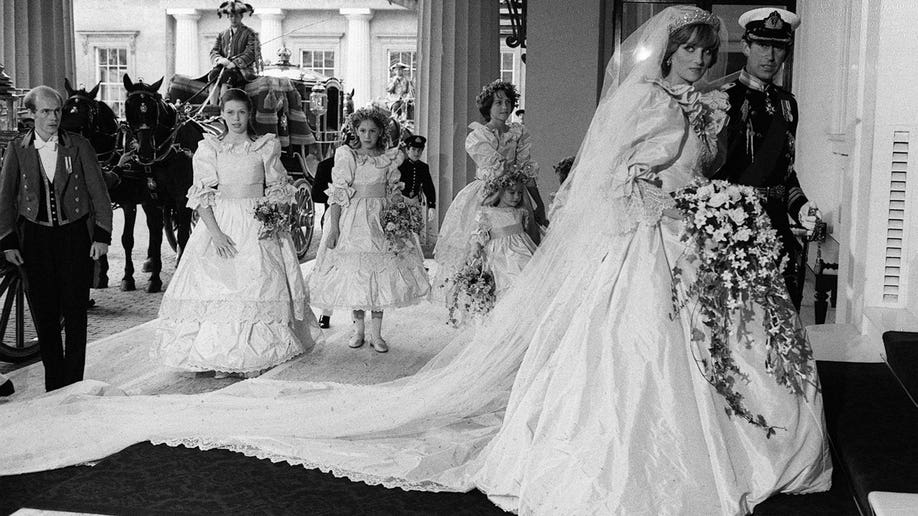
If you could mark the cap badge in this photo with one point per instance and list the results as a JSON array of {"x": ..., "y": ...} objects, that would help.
[{"x": 774, "y": 21}]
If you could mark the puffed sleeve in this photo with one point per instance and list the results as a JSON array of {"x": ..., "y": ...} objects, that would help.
[
  {"x": 524, "y": 155},
  {"x": 393, "y": 174},
  {"x": 204, "y": 186},
  {"x": 277, "y": 181},
  {"x": 658, "y": 130},
  {"x": 341, "y": 189},
  {"x": 481, "y": 145}
]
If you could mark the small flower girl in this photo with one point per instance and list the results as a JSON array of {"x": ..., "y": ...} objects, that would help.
[
  {"x": 356, "y": 267},
  {"x": 501, "y": 229}
]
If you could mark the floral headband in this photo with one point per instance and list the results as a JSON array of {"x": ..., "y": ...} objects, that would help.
[
  {"x": 378, "y": 115},
  {"x": 513, "y": 176}
]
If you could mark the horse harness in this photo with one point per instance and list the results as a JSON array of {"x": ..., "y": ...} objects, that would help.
[{"x": 162, "y": 150}]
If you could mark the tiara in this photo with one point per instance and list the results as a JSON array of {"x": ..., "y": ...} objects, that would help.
[{"x": 693, "y": 16}]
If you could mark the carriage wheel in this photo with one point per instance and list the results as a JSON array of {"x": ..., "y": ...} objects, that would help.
[
  {"x": 20, "y": 340},
  {"x": 303, "y": 226},
  {"x": 170, "y": 227}
]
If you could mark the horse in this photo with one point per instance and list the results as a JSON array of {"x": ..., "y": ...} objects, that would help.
[
  {"x": 159, "y": 143},
  {"x": 97, "y": 122}
]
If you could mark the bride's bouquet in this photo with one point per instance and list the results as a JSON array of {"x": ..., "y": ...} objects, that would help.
[
  {"x": 276, "y": 217},
  {"x": 471, "y": 291},
  {"x": 401, "y": 220},
  {"x": 738, "y": 266}
]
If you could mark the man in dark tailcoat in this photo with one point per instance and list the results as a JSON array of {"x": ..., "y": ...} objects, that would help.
[
  {"x": 55, "y": 215},
  {"x": 761, "y": 134},
  {"x": 236, "y": 51}
]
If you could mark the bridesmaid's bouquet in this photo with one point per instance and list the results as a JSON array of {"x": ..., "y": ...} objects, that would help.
[
  {"x": 739, "y": 266},
  {"x": 401, "y": 220},
  {"x": 471, "y": 292},
  {"x": 276, "y": 217}
]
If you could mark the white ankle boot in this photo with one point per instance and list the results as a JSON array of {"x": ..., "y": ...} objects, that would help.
[
  {"x": 376, "y": 340},
  {"x": 356, "y": 339}
]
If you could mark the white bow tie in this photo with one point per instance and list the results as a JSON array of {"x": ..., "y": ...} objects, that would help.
[{"x": 40, "y": 144}]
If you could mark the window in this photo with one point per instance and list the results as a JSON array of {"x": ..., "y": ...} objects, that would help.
[
  {"x": 111, "y": 65},
  {"x": 320, "y": 61},
  {"x": 408, "y": 57},
  {"x": 506, "y": 67}
]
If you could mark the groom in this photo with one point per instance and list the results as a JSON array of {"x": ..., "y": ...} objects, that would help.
[
  {"x": 55, "y": 214},
  {"x": 762, "y": 130}
]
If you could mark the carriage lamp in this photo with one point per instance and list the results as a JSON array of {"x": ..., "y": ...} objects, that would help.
[
  {"x": 318, "y": 100},
  {"x": 7, "y": 113}
]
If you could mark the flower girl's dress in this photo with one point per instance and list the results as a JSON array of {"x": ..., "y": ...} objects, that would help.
[
  {"x": 361, "y": 272},
  {"x": 507, "y": 247}
]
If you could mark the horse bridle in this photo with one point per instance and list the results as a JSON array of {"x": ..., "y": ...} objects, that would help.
[
  {"x": 93, "y": 116},
  {"x": 92, "y": 107},
  {"x": 162, "y": 150}
]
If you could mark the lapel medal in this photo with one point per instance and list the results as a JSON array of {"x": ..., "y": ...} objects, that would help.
[{"x": 786, "y": 108}]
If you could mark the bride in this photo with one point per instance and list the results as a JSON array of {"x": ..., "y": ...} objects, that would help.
[{"x": 579, "y": 396}]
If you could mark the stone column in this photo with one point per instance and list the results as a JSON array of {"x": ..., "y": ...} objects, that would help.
[
  {"x": 36, "y": 42},
  {"x": 357, "y": 73},
  {"x": 458, "y": 53},
  {"x": 271, "y": 32},
  {"x": 187, "y": 52}
]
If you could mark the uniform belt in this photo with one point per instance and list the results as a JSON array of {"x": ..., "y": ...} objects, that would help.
[
  {"x": 771, "y": 192},
  {"x": 512, "y": 229},
  {"x": 241, "y": 191},
  {"x": 371, "y": 190}
]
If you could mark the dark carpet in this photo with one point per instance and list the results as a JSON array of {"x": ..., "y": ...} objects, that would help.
[
  {"x": 154, "y": 480},
  {"x": 872, "y": 423}
]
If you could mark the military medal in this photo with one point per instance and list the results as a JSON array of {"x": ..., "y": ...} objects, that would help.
[{"x": 786, "y": 108}]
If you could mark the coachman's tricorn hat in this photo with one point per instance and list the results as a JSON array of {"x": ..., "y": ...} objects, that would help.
[
  {"x": 231, "y": 7},
  {"x": 769, "y": 25}
]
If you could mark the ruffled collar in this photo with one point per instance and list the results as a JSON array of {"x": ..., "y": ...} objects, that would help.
[
  {"x": 514, "y": 130},
  {"x": 706, "y": 112},
  {"x": 248, "y": 145},
  {"x": 381, "y": 161}
]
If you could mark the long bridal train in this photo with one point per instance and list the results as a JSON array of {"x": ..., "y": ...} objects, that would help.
[{"x": 579, "y": 395}]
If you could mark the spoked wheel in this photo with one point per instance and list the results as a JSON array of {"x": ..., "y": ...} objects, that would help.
[
  {"x": 303, "y": 225},
  {"x": 20, "y": 339}
]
